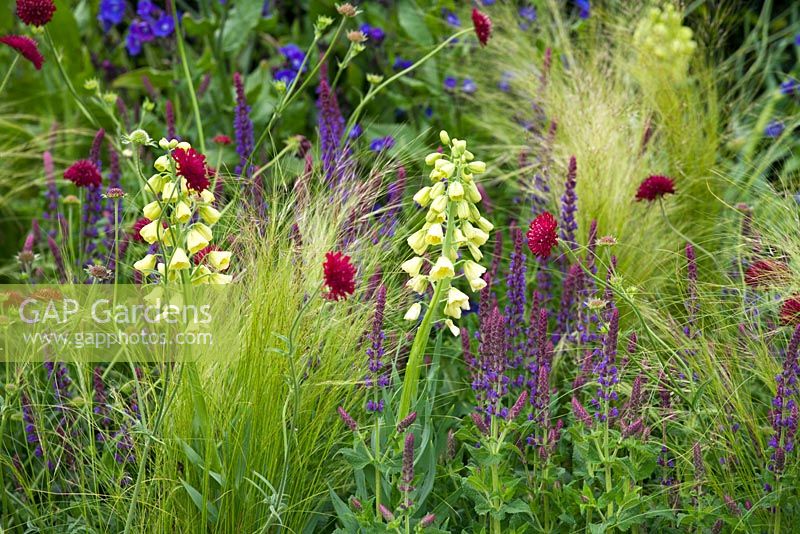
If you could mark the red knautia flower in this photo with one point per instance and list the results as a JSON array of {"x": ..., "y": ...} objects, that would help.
[
  {"x": 654, "y": 187},
  {"x": 84, "y": 173},
  {"x": 35, "y": 12},
  {"x": 27, "y": 47},
  {"x": 790, "y": 310},
  {"x": 137, "y": 227},
  {"x": 542, "y": 235},
  {"x": 192, "y": 166},
  {"x": 222, "y": 139},
  {"x": 339, "y": 276},
  {"x": 482, "y": 24},
  {"x": 764, "y": 272}
]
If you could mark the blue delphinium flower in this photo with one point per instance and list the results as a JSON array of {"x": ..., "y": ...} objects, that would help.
[
  {"x": 110, "y": 13},
  {"x": 790, "y": 87},
  {"x": 528, "y": 15},
  {"x": 355, "y": 131},
  {"x": 774, "y": 129},
  {"x": 380, "y": 144},
  {"x": 450, "y": 83},
  {"x": 294, "y": 55},
  {"x": 375, "y": 35},
  {"x": 286, "y": 76},
  {"x": 146, "y": 9},
  {"x": 797, "y": 39},
  {"x": 401, "y": 64},
  {"x": 584, "y": 8},
  {"x": 450, "y": 18},
  {"x": 469, "y": 86},
  {"x": 139, "y": 33},
  {"x": 163, "y": 26}
]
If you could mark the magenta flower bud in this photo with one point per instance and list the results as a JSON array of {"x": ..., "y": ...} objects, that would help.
[
  {"x": 517, "y": 408},
  {"x": 386, "y": 513},
  {"x": 452, "y": 444},
  {"x": 356, "y": 504},
  {"x": 580, "y": 412},
  {"x": 404, "y": 425},
  {"x": 349, "y": 421},
  {"x": 483, "y": 428},
  {"x": 407, "y": 472},
  {"x": 427, "y": 520},
  {"x": 697, "y": 461}
]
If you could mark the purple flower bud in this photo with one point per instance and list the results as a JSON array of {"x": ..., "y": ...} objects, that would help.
[
  {"x": 386, "y": 513},
  {"x": 697, "y": 461},
  {"x": 580, "y": 412},
  {"x": 517, "y": 408},
  {"x": 404, "y": 425},
  {"x": 348, "y": 421},
  {"x": 427, "y": 520},
  {"x": 356, "y": 504},
  {"x": 480, "y": 423},
  {"x": 407, "y": 472}
]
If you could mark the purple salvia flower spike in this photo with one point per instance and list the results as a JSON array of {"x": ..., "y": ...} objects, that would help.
[
  {"x": 569, "y": 205},
  {"x": 243, "y": 128},
  {"x": 331, "y": 126}
]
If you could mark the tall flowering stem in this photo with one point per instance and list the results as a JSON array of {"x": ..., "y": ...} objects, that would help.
[{"x": 453, "y": 221}]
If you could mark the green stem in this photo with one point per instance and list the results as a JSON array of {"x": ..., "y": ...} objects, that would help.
[
  {"x": 496, "y": 499},
  {"x": 411, "y": 379},
  {"x": 67, "y": 80},
  {"x": 192, "y": 95},
  {"x": 8, "y": 74},
  {"x": 376, "y": 447}
]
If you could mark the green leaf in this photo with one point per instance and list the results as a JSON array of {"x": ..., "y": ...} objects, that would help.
[
  {"x": 517, "y": 506},
  {"x": 198, "y": 500},
  {"x": 241, "y": 22},
  {"x": 412, "y": 20},
  {"x": 133, "y": 79},
  {"x": 346, "y": 516}
]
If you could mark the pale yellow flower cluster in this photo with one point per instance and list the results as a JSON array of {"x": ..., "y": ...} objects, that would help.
[
  {"x": 662, "y": 39},
  {"x": 172, "y": 226},
  {"x": 452, "y": 222}
]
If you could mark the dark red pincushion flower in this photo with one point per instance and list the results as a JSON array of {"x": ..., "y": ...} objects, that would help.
[
  {"x": 83, "y": 173},
  {"x": 339, "y": 276},
  {"x": 137, "y": 227},
  {"x": 542, "y": 235},
  {"x": 654, "y": 187},
  {"x": 764, "y": 272},
  {"x": 27, "y": 48},
  {"x": 483, "y": 25},
  {"x": 790, "y": 310},
  {"x": 35, "y": 12},
  {"x": 192, "y": 166},
  {"x": 222, "y": 139}
]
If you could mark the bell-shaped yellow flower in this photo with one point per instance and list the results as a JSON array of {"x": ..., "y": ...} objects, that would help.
[
  {"x": 179, "y": 260},
  {"x": 435, "y": 235},
  {"x": 417, "y": 241},
  {"x": 443, "y": 268},
  {"x": 151, "y": 232},
  {"x": 413, "y": 312},
  {"x": 456, "y": 301},
  {"x": 423, "y": 196},
  {"x": 418, "y": 284},
  {"x": 412, "y": 266},
  {"x": 196, "y": 240},
  {"x": 155, "y": 183},
  {"x": 455, "y": 191},
  {"x": 209, "y": 214},
  {"x": 170, "y": 192},
  {"x": 146, "y": 264},
  {"x": 453, "y": 328},
  {"x": 205, "y": 230},
  {"x": 219, "y": 259},
  {"x": 182, "y": 212},
  {"x": 152, "y": 211}
]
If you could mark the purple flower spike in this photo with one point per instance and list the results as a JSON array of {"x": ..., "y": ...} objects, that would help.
[
  {"x": 243, "y": 127},
  {"x": 569, "y": 205}
]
